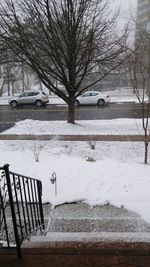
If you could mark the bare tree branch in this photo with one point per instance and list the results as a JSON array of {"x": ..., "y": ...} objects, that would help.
[{"x": 63, "y": 40}]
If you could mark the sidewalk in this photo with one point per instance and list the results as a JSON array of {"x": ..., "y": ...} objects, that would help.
[{"x": 47, "y": 137}]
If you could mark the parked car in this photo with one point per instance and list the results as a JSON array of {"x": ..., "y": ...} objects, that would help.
[
  {"x": 37, "y": 98},
  {"x": 92, "y": 98}
]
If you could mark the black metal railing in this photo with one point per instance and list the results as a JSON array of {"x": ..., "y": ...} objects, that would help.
[{"x": 21, "y": 212}]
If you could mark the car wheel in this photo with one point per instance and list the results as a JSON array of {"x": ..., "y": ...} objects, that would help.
[
  {"x": 13, "y": 104},
  {"x": 101, "y": 102},
  {"x": 38, "y": 103},
  {"x": 77, "y": 104}
]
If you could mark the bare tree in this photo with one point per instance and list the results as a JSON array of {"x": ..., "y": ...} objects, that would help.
[
  {"x": 9, "y": 69},
  {"x": 2, "y": 83},
  {"x": 63, "y": 40},
  {"x": 138, "y": 69}
]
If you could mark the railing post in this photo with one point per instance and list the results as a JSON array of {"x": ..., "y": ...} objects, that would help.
[
  {"x": 39, "y": 189},
  {"x": 6, "y": 169},
  {"x": 4, "y": 217},
  {"x": 22, "y": 191}
]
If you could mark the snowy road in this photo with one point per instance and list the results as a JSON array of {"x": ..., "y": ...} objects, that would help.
[{"x": 50, "y": 113}]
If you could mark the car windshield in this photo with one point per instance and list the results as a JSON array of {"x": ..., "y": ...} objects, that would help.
[
  {"x": 43, "y": 93},
  {"x": 94, "y": 94},
  {"x": 22, "y": 95},
  {"x": 86, "y": 94}
]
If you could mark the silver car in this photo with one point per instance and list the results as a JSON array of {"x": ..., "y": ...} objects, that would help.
[
  {"x": 92, "y": 98},
  {"x": 37, "y": 98}
]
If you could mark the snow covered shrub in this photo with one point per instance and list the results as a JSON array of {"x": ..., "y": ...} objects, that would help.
[
  {"x": 68, "y": 148},
  {"x": 92, "y": 144},
  {"x": 37, "y": 148},
  {"x": 91, "y": 159}
]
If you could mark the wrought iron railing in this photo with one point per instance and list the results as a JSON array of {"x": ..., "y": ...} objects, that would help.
[{"x": 21, "y": 212}]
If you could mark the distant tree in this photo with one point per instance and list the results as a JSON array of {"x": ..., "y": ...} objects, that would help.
[
  {"x": 9, "y": 72},
  {"x": 8, "y": 76},
  {"x": 63, "y": 40},
  {"x": 2, "y": 85},
  {"x": 138, "y": 69}
]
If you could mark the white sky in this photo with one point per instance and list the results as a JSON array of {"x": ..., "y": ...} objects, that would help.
[
  {"x": 127, "y": 7},
  {"x": 126, "y": 4}
]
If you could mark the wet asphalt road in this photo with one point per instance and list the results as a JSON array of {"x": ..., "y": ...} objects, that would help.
[{"x": 9, "y": 116}]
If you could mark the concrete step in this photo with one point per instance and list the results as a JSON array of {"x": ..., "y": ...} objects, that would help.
[
  {"x": 98, "y": 225},
  {"x": 80, "y": 217},
  {"x": 90, "y": 237}
]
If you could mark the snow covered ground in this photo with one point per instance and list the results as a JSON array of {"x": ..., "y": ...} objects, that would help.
[
  {"x": 95, "y": 127},
  {"x": 113, "y": 172}
]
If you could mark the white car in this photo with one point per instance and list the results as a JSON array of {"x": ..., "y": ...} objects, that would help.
[
  {"x": 37, "y": 98},
  {"x": 92, "y": 98}
]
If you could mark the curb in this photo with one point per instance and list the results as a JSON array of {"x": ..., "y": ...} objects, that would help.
[{"x": 126, "y": 138}]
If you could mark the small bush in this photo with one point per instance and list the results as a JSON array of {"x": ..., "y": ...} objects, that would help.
[
  {"x": 92, "y": 144},
  {"x": 91, "y": 159}
]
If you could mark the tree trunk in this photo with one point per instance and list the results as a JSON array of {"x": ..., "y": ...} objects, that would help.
[
  {"x": 146, "y": 152},
  {"x": 2, "y": 87},
  {"x": 12, "y": 84},
  {"x": 40, "y": 83},
  {"x": 146, "y": 142},
  {"x": 23, "y": 78},
  {"x": 71, "y": 112},
  {"x": 8, "y": 79}
]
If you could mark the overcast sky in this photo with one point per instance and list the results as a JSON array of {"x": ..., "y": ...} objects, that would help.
[
  {"x": 127, "y": 3},
  {"x": 127, "y": 7}
]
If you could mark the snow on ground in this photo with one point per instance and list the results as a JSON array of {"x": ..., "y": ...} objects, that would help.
[
  {"x": 95, "y": 127},
  {"x": 116, "y": 175}
]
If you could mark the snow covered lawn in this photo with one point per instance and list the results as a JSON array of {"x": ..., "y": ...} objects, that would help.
[
  {"x": 95, "y": 127},
  {"x": 117, "y": 173}
]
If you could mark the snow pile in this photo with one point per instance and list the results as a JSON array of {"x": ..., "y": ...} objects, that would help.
[{"x": 95, "y": 127}]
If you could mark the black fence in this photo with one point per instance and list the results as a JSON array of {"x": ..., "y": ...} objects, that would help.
[{"x": 21, "y": 212}]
